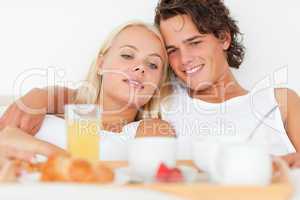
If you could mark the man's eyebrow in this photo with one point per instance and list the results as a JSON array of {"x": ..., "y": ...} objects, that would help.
[
  {"x": 193, "y": 38},
  {"x": 170, "y": 47},
  {"x": 130, "y": 46},
  {"x": 185, "y": 41}
]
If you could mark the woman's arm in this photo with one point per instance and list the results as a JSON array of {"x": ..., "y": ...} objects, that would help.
[
  {"x": 58, "y": 97},
  {"x": 16, "y": 144},
  {"x": 29, "y": 111}
]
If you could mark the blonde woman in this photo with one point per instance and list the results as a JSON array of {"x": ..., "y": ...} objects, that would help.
[{"x": 125, "y": 81}]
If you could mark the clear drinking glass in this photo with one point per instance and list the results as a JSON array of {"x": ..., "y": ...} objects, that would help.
[{"x": 83, "y": 125}]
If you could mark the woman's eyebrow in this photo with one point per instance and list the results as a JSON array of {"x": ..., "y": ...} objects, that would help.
[
  {"x": 133, "y": 47},
  {"x": 156, "y": 55},
  {"x": 130, "y": 46}
]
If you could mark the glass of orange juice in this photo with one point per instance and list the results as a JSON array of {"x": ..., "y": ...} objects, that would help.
[{"x": 83, "y": 125}]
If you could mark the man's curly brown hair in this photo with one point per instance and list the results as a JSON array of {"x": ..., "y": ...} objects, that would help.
[{"x": 210, "y": 17}]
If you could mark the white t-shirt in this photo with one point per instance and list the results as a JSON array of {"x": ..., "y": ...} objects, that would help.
[
  {"x": 230, "y": 121},
  {"x": 113, "y": 146}
]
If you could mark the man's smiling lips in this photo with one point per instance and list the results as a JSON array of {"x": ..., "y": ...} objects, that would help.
[
  {"x": 134, "y": 83},
  {"x": 193, "y": 70}
]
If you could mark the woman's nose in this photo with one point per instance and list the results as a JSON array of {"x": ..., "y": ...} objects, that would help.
[{"x": 139, "y": 68}]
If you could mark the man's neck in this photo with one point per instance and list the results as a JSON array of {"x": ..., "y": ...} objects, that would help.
[{"x": 225, "y": 88}]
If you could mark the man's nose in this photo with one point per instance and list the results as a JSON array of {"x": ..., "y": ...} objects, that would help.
[{"x": 186, "y": 58}]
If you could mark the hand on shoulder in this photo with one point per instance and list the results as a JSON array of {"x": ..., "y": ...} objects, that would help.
[{"x": 155, "y": 127}]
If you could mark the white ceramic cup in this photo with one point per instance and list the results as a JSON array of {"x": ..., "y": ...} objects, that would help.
[
  {"x": 234, "y": 163},
  {"x": 147, "y": 153},
  {"x": 204, "y": 152}
]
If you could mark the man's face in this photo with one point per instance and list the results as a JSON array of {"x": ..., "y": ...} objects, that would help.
[{"x": 199, "y": 60}]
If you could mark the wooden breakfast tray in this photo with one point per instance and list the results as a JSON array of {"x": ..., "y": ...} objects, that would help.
[{"x": 280, "y": 189}]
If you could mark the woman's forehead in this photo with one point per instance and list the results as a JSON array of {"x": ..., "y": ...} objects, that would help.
[
  {"x": 141, "y": 38},
  {"x": 137, "y": 35}
]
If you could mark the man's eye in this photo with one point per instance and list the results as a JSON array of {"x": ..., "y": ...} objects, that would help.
[
  {"x": 171, "y": 51},
  {"x": 195, "y": 43},
  {"x": 127, "y": 56}
]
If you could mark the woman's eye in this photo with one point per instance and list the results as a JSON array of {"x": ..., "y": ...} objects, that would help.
[
  {"x": 127, "y": 56},
  {"x": 152, "y": 66}
]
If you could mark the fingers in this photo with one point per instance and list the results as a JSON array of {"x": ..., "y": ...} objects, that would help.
[
  {"x": 11, "y": 117},
  {"x": 296, "y": 164},
  {"x": 20, "y": 118},
  {"x": 21, "y": 155},
  {"x": 17, "y": 143},
  {"x": 293, "y": 160},
  {"x": 37, "y": 125},
  {"x": 12, "y": 153},
  {"x": 8, "y": 172},
  {"x": 287, "y": 158},
  {"x": 47, "y": 149},
  {"x": 2, "y": 122},
  {"x": 26, "y": 124},
  {"x": 155, "y": 127}
]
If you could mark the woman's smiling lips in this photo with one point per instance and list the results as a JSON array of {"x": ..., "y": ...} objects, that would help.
[
  {"x": 134, "y": 83},
  {"x": 194, "y": 70}
]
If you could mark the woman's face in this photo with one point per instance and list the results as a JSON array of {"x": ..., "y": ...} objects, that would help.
[{"x": 133, "y": 67}]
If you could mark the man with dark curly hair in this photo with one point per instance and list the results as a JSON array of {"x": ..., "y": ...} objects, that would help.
[{"x": 203, "y": 42}]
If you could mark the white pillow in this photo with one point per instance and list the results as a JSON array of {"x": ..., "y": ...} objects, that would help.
[{"x": 53, "y": 131}]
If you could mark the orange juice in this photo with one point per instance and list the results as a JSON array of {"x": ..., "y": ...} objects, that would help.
[{"x": 83, "y": 138}]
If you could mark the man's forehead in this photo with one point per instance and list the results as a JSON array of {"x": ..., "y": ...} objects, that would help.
[
  {"x": 175, "y": 23},
  {"x": 180, "y": 27},
  {"x": 178, "y": 23}
]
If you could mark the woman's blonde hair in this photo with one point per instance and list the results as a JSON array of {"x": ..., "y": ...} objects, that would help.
[{"x": 89, "y": 93}]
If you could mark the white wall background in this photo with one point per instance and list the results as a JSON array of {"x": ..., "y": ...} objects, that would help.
[{"x": 65, "y": 34}]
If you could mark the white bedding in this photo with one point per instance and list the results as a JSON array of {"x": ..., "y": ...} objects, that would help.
[
  {"x": 113, "y": 146},
  {"x": 53, "y": 131}
]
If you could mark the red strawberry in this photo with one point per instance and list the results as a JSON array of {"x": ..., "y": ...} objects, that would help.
[
  {"x": 175, "y": 175},
  {"x": 162, "y": 173},
  {"x": 165, "y": 174}
]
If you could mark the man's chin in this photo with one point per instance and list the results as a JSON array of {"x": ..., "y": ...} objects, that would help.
[{"x": 199, "y": 86}]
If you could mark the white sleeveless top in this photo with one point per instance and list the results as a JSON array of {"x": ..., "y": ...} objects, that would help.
[
  {"x": 113, "y": 146},
  {"x": 230, "y": 121}
]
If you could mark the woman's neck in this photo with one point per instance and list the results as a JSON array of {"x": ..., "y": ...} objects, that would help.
[
  {"x": 225, "y": 88},
  {"x": 115, "y": 114}
]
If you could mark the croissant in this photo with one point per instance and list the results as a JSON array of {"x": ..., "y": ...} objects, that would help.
[{"x": 67, "y": 169}]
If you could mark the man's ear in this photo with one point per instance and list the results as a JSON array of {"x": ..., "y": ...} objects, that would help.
[
  {"x": 99, "y": 63},
  {"x": 225, "y": 38}
]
